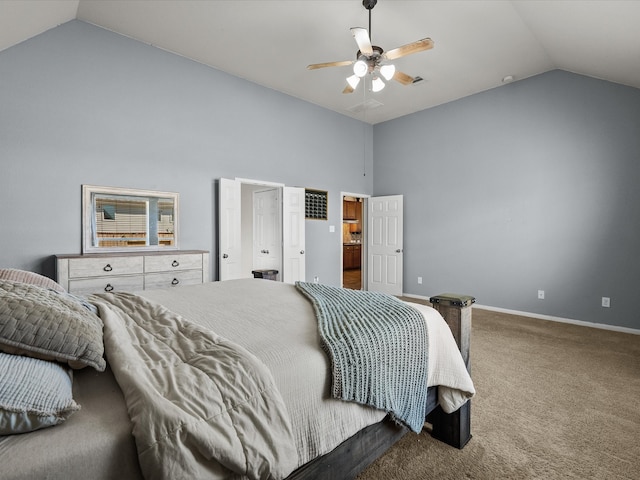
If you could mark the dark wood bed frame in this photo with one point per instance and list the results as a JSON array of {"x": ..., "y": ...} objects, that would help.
[{"x": 353, "y": 455}]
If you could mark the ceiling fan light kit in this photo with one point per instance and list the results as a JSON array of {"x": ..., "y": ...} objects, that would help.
[{"x": 370, "y": 58}]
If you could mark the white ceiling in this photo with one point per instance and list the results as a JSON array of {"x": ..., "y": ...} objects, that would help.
[{"x": 477, "y": 42}]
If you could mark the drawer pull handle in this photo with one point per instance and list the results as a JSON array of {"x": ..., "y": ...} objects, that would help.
[
  {"x": 108, "y": 288},
  {"x": 175, "y": 281},
  {"x": 175, "y": 263},
  {"x": 107, "y": 268}
]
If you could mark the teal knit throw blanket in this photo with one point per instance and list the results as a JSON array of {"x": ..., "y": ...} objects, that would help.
[{"x": 378, "y": 350}]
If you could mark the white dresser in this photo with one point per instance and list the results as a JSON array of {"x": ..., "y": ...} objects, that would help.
[{"x": 118, "y": 272}]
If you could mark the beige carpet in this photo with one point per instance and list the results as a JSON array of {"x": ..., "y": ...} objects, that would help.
[{"x": 553, "y": 401}]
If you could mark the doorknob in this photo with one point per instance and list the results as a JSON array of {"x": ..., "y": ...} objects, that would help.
[
  {"x": 399, "y": 251},
  {"x": 301, "y": 252},
  {"x": 224, "y": 255},
  {"x": 264, "y": 251}
]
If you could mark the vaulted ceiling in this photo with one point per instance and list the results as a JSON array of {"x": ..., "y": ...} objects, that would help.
[{"x": 477, "y": 42}]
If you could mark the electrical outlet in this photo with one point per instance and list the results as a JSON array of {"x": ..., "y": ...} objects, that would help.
[
  {"x": 316, "y": 279},
  {"x": 419, "y": 280},
  {"x": 541, "y": 294},
  {"x": 606, "y": 302}
]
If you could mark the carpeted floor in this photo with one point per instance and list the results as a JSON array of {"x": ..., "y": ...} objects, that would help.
[{"x": 553, "y": 401}]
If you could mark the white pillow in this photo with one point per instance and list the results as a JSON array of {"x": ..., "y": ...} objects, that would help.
[
  {"x": 34, "y": 394},
  {"x": 31, "y": 278}
]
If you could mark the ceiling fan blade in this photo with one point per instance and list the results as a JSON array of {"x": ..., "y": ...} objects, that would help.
[
  {"x": 403, "y": 78},
  {"x": 348, "y": 89},
  {"x": 315, "y": 66},
  {"x": 362, "y": 39},
  {"x": 409, "y": 48}
]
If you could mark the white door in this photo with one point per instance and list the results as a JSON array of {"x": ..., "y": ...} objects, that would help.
[
  {"x": 385, "y": 244},
  {"x": 229, "y": 229},
  {"x": 267, "y": 239},
  {"x": 293, "y": 234}
]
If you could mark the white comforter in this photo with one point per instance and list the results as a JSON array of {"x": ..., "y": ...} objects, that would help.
[{"x": 277, "y": 324}]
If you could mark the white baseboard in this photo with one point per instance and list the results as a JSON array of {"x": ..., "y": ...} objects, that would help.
[
  {"x": 421, "y": 297},
  {"x": 602, "y": 326}
]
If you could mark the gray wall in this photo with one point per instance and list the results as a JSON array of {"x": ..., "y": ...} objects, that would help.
[
  {"x": 533, "y": 185},
  {"x": 529, "y": 186},
  {"x": 81, "y": 105}
]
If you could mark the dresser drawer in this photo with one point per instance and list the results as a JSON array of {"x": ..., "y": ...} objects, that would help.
[
  {"x": 169, "y": 263},
  {"x": 105, "y": 266},
  {"x": 172, "y": 279},
  {"x": 87, "y": 286}
]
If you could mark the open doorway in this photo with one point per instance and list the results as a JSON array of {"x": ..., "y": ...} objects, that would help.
[
  {"x": 260, "y": 227},
  {"x": 372, "y": 234},
  {"x": 353, "y": 242}
]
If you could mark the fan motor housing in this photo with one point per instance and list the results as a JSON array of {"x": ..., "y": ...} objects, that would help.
[
  {"x": 369, "y": 4},
  {"x": 377, "y": 53}
]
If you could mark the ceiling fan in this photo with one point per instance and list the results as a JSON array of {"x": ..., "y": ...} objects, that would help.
[{"x": 371, "y": 59}]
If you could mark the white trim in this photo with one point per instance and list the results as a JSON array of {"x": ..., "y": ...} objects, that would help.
[
  {"x": 258, "y": 182},
  {"x": 420, "y": 297},
  {"x": 363, "y": 267},
  {"x": 602, "y": 326},
  {"x": 356, "y": 195}
]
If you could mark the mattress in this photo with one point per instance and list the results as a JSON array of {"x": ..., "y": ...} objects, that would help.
[
  {"x": 94, "y": 443},
  {"x": 270, "y": 319}
]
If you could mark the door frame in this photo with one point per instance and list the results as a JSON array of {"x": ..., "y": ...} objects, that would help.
[
  {"x": 261, "y": 183},
  {"x": 293, "y": 210},
  {"x": 277, "y": 255},
  {"x": 246, "y": 181},
  {"x": 365, "y": 213}
]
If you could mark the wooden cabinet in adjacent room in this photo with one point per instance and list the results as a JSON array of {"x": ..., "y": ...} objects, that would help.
[
  {"x": 351, "y": 256},
  {"x": 349, "y": 210}
]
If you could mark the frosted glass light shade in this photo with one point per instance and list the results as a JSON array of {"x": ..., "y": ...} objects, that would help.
[
  {"x": 387, "y": 71},
  {"x": 377, "y": 84},
  {"x": 360, "y": 68},
  {"x": 353, "y": 81}
]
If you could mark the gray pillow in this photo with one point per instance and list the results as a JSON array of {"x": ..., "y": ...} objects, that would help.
[
  {"x": 34, "y": 394},
  {"x": 43, "y": 324}
]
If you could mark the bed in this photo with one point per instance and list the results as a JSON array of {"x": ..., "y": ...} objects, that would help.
[{"x": 287, "y": 426}]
